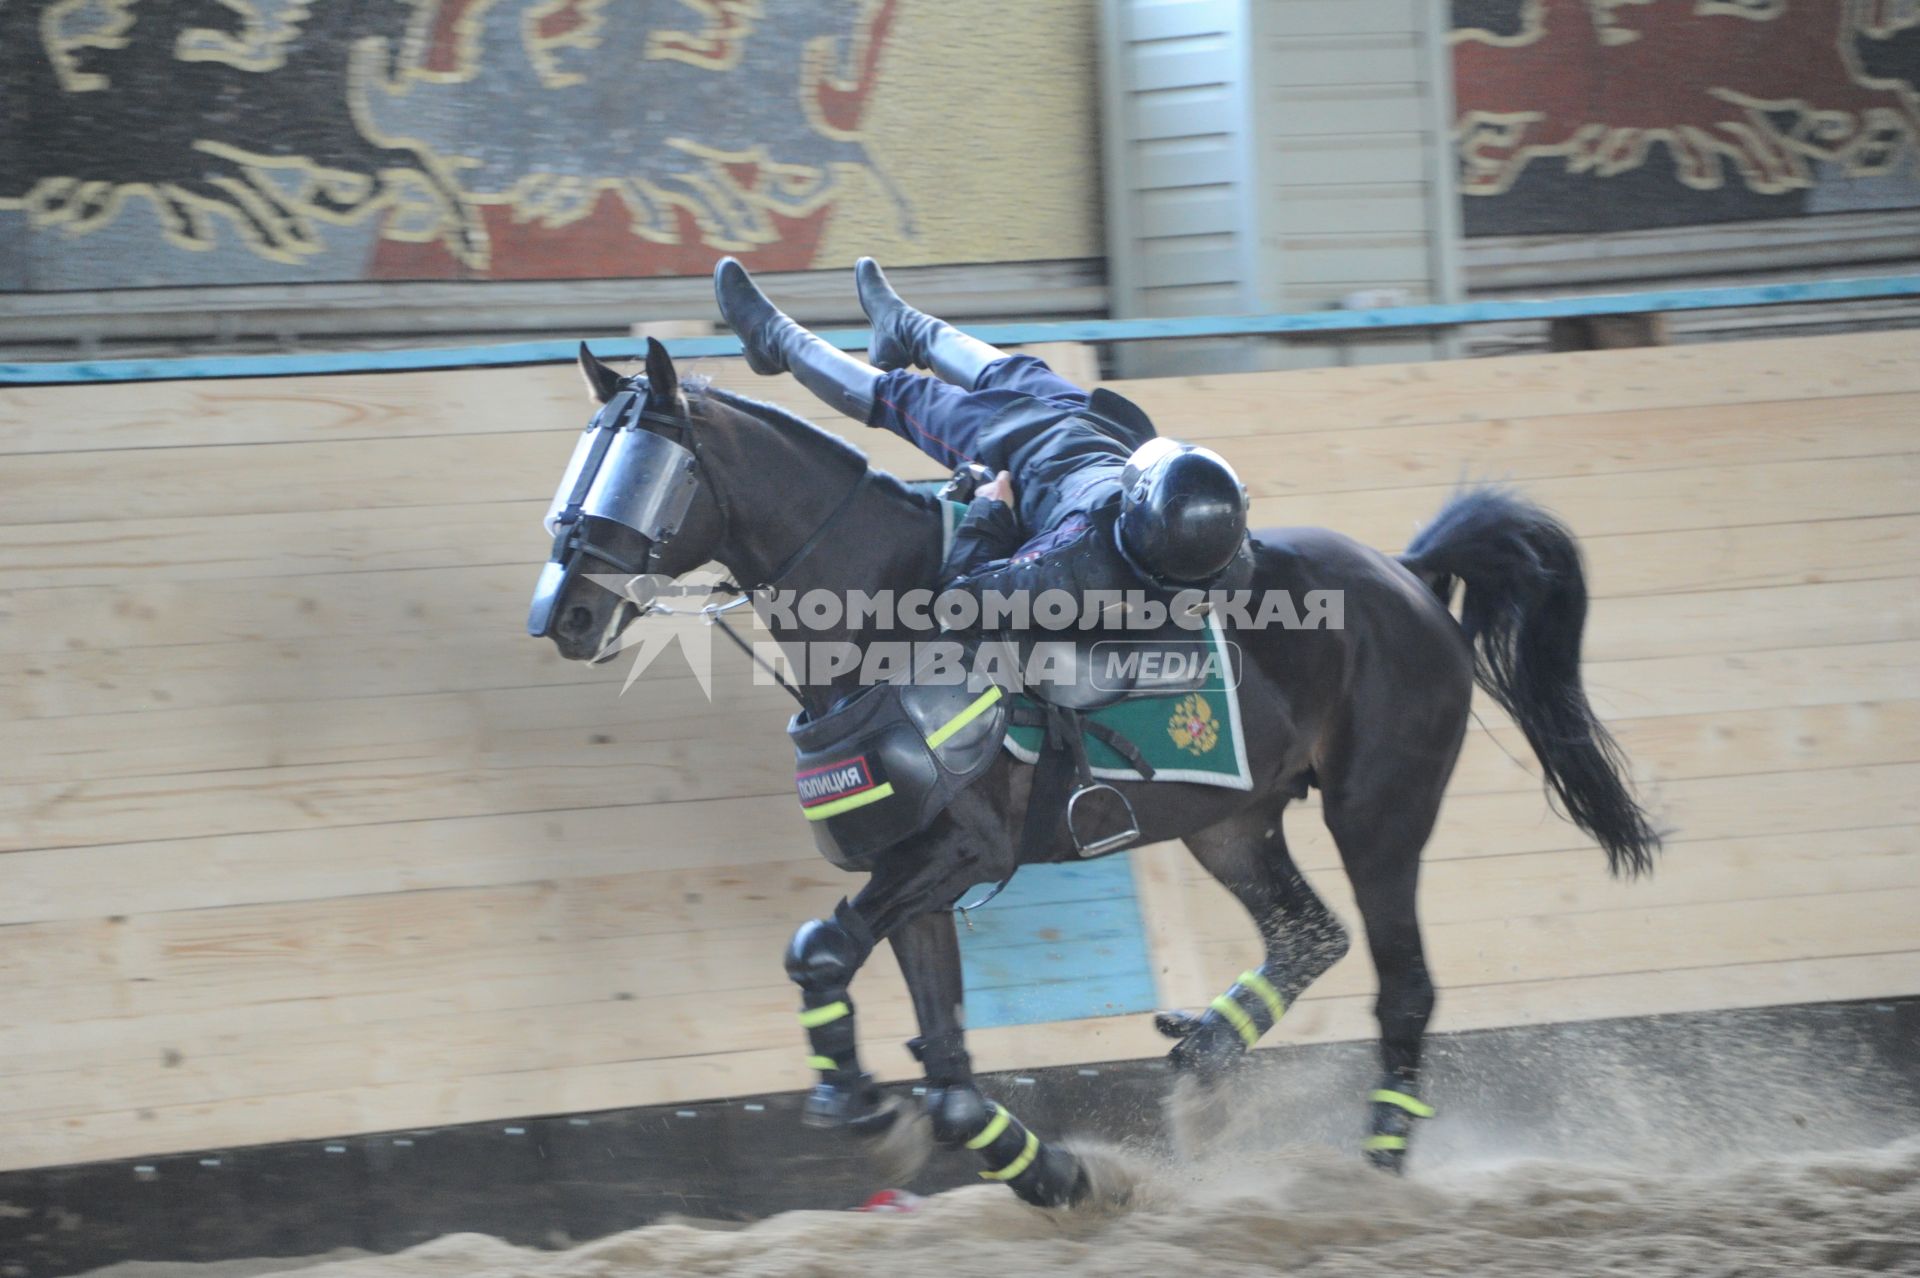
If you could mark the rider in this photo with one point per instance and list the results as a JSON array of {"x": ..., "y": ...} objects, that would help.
[{"x": 1097, "y": 506}]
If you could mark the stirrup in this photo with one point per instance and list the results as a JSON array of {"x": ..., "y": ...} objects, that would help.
[{"x": 1112, "y": 842}]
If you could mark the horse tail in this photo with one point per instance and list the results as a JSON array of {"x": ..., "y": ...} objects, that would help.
[{"x": 1523, "y": 610}]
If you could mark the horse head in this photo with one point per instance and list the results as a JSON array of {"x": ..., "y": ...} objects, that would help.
[
  {"x": 634, "y": 506},
  {"x": 668, "y": 478}
]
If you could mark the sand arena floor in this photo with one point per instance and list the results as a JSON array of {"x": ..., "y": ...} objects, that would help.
[{"x": 1316, "y": 1217}]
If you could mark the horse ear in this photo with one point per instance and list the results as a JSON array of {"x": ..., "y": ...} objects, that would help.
[
  {"x": 663, "y": 380},
  {"x": 603, "y": 383}
]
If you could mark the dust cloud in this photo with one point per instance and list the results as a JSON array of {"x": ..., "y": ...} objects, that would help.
[
  {"x": 1677, "y": 1148},
  {"x": 1318, "y": 1216}
]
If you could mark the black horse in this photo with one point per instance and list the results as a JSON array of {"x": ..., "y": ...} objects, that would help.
[{"x": 1371, "y": 714}]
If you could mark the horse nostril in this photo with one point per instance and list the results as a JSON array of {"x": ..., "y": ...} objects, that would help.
[{"x": 577, "y": 620}]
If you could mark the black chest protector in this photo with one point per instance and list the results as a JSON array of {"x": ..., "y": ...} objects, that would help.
[{"x": 879, "y": 767}]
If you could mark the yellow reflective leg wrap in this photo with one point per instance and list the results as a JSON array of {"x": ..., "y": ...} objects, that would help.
[
  {"x": 1377, "y": 1143},
  {"x": 1025, "y": 1160},
  {"x": 1237, "y": 1017},
  {"x": 1412, "y": 1104},
  {"x": 996, "y": 1125},
  {"x": 825, "y": 1064},
  {"x": 1268, "y": 995},
  {"x": 815, "y": 1017}
]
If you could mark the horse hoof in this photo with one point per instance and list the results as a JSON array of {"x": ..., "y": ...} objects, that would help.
[
  {"x": 1176, "y": 1025},
  {"x": 1057, "y": 1179},
  {"x": 1208, "y": 1052},
  {"x": 857, "y": 1106},
  {"x": 1199, "y": 1115},
  {"x": 902, "y": 1140},
  {"x": 1391, "y": 1161},
  {"x": 1111, "y": 1180}
]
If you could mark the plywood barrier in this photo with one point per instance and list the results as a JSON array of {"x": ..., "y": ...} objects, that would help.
[{"x": 300, "y": 836}]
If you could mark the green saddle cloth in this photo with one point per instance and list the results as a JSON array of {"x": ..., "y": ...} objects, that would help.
[{"x": 1186, "y": 736}]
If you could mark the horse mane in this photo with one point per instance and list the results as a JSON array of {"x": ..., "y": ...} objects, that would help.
[
  {"x": 791, "y": 424},
  {"x": 785, "y": 420}
]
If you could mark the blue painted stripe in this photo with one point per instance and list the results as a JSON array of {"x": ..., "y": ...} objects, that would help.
[
  {"x": 1134, "y": 330},
  {"x": 1038, "y": 961},
  {"x": 1116, "y": 995},
  {"x": 1020, "y": 921},
  {"x": 1063, "y": 962},
  {"x": 1078, "y": 881},
  {"x": 1061, "y": 943}
]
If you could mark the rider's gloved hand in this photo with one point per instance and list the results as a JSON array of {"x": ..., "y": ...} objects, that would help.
[
  {"x": 989, "y": 532},
  {"x": 966, "y": 482}
]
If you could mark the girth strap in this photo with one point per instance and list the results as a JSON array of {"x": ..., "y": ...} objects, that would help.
[
  {"x": 1053, "y": 774},
  {"x": 1029, "y": 715},
  {"x": 1120, "y": 745},
  {"x": 1063, "y": 767}
]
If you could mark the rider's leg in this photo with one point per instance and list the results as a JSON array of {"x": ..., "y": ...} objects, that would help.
[
  {"x": 942, "y": 421},
  {"x": 774, "y": 343},
  {"x": 904, "y": 337}
]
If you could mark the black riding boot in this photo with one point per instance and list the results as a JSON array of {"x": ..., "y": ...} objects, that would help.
[
  {"x": 903, "y": 336},
  {"x": 775, "y": 343}
]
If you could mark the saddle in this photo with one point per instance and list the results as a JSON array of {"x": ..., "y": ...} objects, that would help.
[
  {"x": 1065, "y": 675},
  {"x": 882, "y": 765}
]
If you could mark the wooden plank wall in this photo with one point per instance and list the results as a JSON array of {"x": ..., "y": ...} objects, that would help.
[{"x": 301, "y": 836}]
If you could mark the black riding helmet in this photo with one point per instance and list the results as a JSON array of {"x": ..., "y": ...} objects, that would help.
[{"x": 1183, "y": 512}]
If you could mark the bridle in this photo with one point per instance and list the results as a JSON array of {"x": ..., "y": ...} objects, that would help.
[
  {"x": 622, "y": 474},
  {"x": 651, "y": 497}
]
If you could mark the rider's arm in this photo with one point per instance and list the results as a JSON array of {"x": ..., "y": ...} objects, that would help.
[{"x": 988, "y": 533}]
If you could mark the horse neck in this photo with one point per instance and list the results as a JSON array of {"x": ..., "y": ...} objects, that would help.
[{"x": 781, "y": 483}]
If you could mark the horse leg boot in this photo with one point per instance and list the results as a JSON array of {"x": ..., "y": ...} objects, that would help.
[
  {"x": 1248, "y": 855},
  {"x": 774, "y": 343},
  {"x": 1040, "y": 1172},
  {"x": 903, "y": 336},
  {"x": 822, "y": 960}
]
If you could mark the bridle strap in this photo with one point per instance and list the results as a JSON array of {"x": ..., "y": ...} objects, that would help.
[{"x": 603, "y": 438}]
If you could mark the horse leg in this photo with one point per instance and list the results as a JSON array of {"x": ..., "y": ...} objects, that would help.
[
  {"x": 1380, "y": 820},
  {"x": 822, "y": 959},
  {"x": 1039, "y": 1172},
  {"x": 1248, "y": 854},
  {"x": 825, "y": 954}
]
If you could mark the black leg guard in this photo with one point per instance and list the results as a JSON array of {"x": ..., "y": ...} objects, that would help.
[
  {"x": 821, "y": 960},
  {"x": 773, "y": 343},
  {"x": 1216, "y": 1040},
  {"x": 904, "y": 337},
  {"x": 1042, "y": 1174},
  {"x": 1395, "y": 1106}
]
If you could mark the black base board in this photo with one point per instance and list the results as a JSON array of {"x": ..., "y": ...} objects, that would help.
[{"x": 1706, "y": 1084}]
